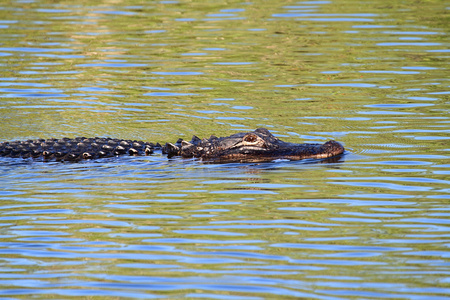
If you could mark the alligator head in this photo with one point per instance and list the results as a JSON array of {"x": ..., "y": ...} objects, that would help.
[{"x": 255, "y": 146}]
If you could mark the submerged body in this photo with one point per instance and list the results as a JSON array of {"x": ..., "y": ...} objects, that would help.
[{"x": 255, "y": 146}]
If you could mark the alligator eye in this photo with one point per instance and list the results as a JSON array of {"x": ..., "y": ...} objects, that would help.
[{"x": 250, "y": 138}]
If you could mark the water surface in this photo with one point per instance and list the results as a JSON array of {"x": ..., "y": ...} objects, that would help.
[{"x": 374, "y": 76}]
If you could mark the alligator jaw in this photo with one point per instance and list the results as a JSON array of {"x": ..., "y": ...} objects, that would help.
[{"x": 294, "y": 152}]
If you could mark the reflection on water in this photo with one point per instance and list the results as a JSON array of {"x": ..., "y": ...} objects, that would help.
[{"x": 372, "y": 224}]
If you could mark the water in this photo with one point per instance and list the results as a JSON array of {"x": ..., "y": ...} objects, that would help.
[{"x": 373, "y": 76}]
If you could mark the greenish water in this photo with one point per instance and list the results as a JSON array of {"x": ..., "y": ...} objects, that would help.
[{"x": 372, "y": 75}]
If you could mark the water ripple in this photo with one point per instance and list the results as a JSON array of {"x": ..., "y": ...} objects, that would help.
[{"x": 373, "y": 224}]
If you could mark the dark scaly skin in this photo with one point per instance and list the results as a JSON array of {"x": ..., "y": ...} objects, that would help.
[
  {"x": 255, "y": 146},
  {"x": 76, "y": 149}
]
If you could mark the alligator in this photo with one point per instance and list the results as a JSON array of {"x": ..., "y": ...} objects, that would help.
[{"x": 255, "y": 146}]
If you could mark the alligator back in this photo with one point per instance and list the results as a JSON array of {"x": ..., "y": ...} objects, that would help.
[{"x": 67, "y": 149}]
